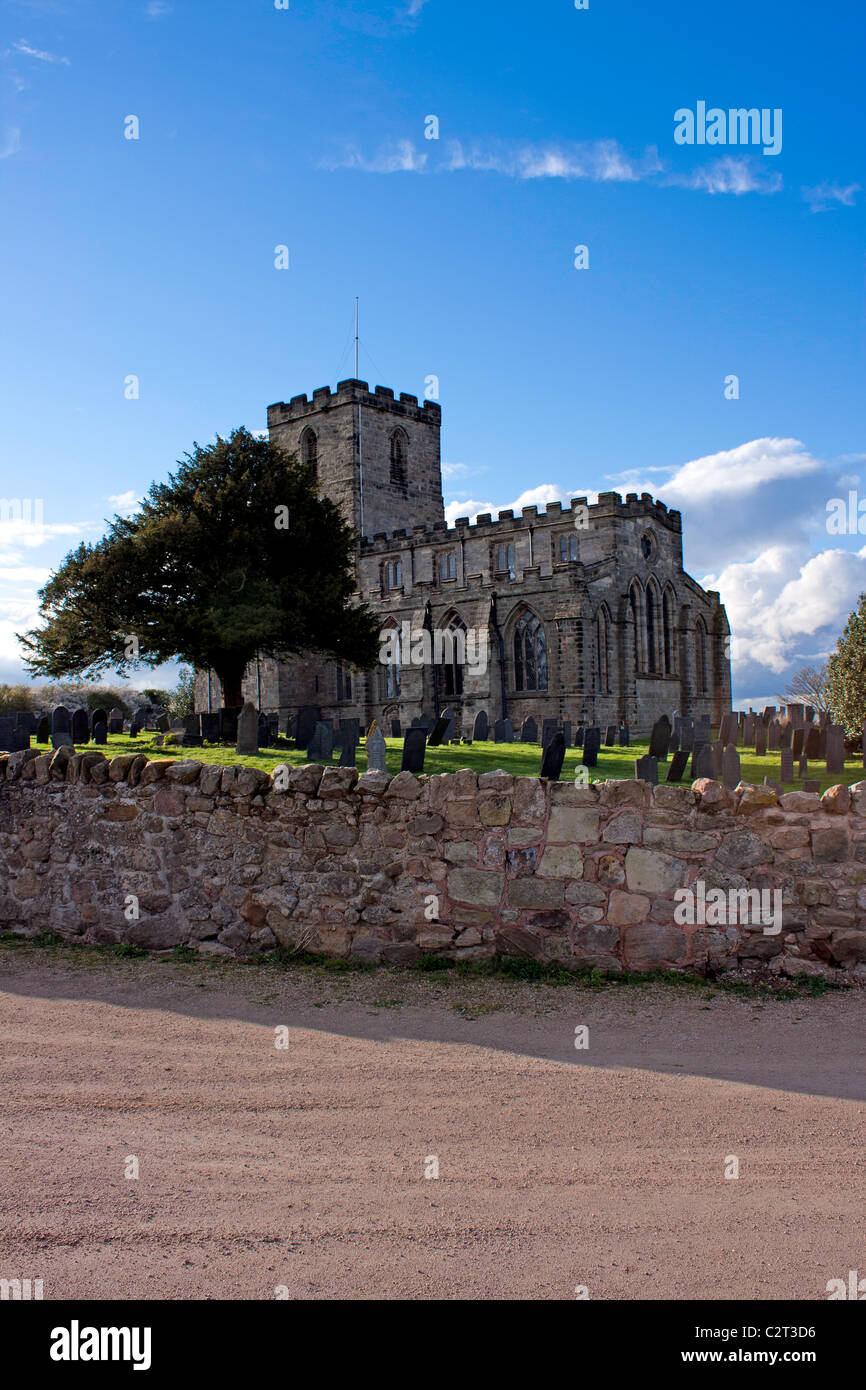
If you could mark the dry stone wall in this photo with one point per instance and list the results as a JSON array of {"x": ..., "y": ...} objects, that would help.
[{"x": 234, "y": 861}]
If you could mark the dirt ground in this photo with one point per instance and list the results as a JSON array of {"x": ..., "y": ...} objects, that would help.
[{"x": 303, "y": 1168}]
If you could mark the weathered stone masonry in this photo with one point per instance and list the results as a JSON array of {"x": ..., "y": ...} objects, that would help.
[{"x": 385, "y": 869}]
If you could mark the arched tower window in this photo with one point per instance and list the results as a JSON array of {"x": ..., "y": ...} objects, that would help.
[
  {"x": 530, "y": 653},
  {"x": 448, "y": 565},
  {"x": 653, "y": 629},
  {"x": 668, "y": 608},
  {"x": 568, "y": 547},
  {"x": 635, "y": 603},
  {"x": 310, "y": 450},
  {"x": 399, "y": 459},
  {"x": 389, "y": 659}
]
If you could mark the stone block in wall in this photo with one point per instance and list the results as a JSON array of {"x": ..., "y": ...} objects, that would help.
[
  {"x": 648, "y": 871},
  {"x": 570, "y": 825}
]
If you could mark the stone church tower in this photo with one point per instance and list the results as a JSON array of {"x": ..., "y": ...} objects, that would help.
[{"x": 583, "y": 613}]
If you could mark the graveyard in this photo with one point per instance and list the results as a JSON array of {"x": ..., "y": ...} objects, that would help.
[{"x": 754, "y": 764}]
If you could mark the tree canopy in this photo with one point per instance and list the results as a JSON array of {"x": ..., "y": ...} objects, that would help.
[
  {"x": 846, "y": 673},
  {"x": 236, "y": 554}
]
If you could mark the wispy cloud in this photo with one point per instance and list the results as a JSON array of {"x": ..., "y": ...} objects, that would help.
[
  {"x": 22, "y": 46},
  {"x": 157, "y": 8},
  {"x": 826, "y": 195},
  {"x": 125, "y": 502},
  {"x": 415, "y": 7},
  {"x": 596, "y": 161},
  {"x": 10, "y": 141}
]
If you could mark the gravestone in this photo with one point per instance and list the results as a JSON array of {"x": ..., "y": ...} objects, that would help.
[
  {"x": 797, "y": 739},
  {"x": 80, "y": 726},
  {"x": 100, "y": 732},
  {"x": 773, "y": 736},
  {"x": 796, "y": 714},
  {"x": 352, "y": 727},
  {"x": 566, "y": 732},
  {"x": 264, "y": 732},
  {"x": 548, "y": 729},
  {"x": 761, "y": 740},
  {"x": 414, "y": 748},
  {"x": 702, "y": 761},
  {"x": 396, "y": 729},
  {"x": 835, "y": 754},
  {"x": 427, "y": 722},
  {"x": 43, "y": 730},
  {"x": 660, "y": 739},
  {"x": 139, "y": 717},
  {"x": 624, "y": 736},
  {"x": 438, "y": 732},
  {"x": 209, "y": 727},
  {"x": 718, "y": 756},
  {"x": 726, "y": 728},
  {"x": 687, "y": 735},
  {"x": 16, "y": 740},
  {"x": 679, "y": 763},
  {"x": 591, "y": 745},
  {"x": 749, "y": 731},
  {"x": 803, "y": 768},
  {"x": 451, "y": 728},
  {"x": 115, "y": 721},
  {"x": 61, "y": 727},
  {"x": 646, "y": 769},
  {"x": 321, "y": 746},
  {"x": 376, "y": 751},
  {"x": 503, "y": 731},
  {"x": 529, "y": 730},
  {"x": 812, "y": 785},
  {"x": 553, "y": 758},
  {"x": 481, "y": 727},
  {"x": 786, "y": 736},
  {"x": 580, "y": 731},
  {"x": 731, "y": 766},
  {"x": 98, "y": 716},
  {"x": 787, "y": 762},
  {"x": 273, "y": 726},
  {"x": 815, "y": 743},
  {"x": 26, "y": 719},
  {"x": 248, "y": 731},
  {"x": 162, "y": 724},
  {"x": 308, "y": 717},
  {"x": 348, "y": 745},
  {"x": 610, "y": 736}
]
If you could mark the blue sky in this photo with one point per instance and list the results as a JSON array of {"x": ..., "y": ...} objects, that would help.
[{"x": 306, "y": 127}]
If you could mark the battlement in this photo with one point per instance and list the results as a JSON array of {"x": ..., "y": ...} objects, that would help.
[
  {"x": 609, "y": 506},
  {"x": 354, "y": 392}
]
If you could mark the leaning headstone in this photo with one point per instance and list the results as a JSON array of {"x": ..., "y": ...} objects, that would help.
[
  {"x": 321, "y": 746},
  {"x": 548, "y": 729},
  {"x": 43, "y": 730},
  {"x": 702, "y": 761},
  {"x": 679, "y": 763},
  {"x": 591, "y": 745},
  {"x": 481, "y": 727},
  {"x": 835, "y": 754},
  {"x": 248, "y": 731},
  {"x": 162, "y": 723},
  {"x": 731, "y": 766},
  {"x": 610, "y": 736},
  {"x": 80, "y": 726},
  {"x": 99, "y": 733},
  {"x": 787, "y": 761},
  {"x": 451, "y": 728},
  {"x": 438, "y": 732},
  {"x": 61, "y": 727},
  {"x": 376, "y": 751},
  {"x": 660, "y": 739},
  {"x": 414, "y": 748},
  {"x": 553, "y": 758},
  {"x": 726, "y": 728},
  {"x": 529, "y": 730},
  {"x": 646, "y": 769}
]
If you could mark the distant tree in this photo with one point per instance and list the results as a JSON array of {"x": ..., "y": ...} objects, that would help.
[
  {"x": 181, "y": 701},
  {"x": 808, "y": 686},
  {"x": 846, "y": 679},
  {"x": 14, "y": 697},
  {"x": 235, "y": 554},
  {"x": 153, "y": 695}
]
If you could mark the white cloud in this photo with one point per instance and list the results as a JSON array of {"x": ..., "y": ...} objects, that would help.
[
  {"x": 533, "y": 497},
  {"x": 399, "y": 156},
  {"x": 730, "y": 175},
  {"x": 784, "y": 607},
  {"x": 22, "y": 46},
  {"x": 157, "y": 8},
  {"x": 731, "y": 473},
  {"x": 125, "y": 502},
  {"x": 824, "y": 195}
]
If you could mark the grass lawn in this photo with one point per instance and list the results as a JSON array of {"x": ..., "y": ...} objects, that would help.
[{"x": 522, "y": 759}]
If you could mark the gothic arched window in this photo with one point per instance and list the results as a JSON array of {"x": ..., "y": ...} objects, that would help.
[
  {"x": 389, "y": 679},
  {"x": 530, "y": 653},
  {"x": 451, "y": 656},
  {"x": 601, "y": 649},
  {"x": 701, "y": 674}
]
